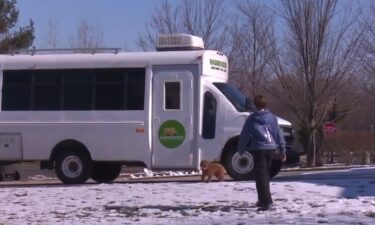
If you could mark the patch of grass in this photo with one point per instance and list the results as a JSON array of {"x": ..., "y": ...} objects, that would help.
[
  {"x": 292, "y": 210},
  {"x": 127, "y": 211},
  {"x": 84, "y": 215},
  {"x": 370, "y": 214},
  {"x": 60, "y": 215},
  {"x": 316, "y": 205}
]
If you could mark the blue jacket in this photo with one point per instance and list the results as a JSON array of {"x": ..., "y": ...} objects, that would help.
[{"x": 261, "y": 132}]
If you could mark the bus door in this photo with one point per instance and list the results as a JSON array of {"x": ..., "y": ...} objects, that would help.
[{"x": 172, "y": 119}]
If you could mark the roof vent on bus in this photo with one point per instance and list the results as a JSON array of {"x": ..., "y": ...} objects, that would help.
[{"x": 175, "y": 42}]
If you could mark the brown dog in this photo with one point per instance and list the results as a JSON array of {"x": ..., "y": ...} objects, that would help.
[{"x": 210, "y": 169}]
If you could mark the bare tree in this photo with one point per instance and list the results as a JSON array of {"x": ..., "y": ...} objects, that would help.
[
  {"x": 52, "y": 34},
  {"x": 312, "y": 62},
  {"x": 202, "y": 18},
  {"x": 250, "y": 40},
  {"x": 87, "y": 37},
  {"x": 367, "y": 53}
]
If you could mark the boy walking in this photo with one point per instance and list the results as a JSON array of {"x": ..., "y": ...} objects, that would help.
[{"x": 262, "y": 135}]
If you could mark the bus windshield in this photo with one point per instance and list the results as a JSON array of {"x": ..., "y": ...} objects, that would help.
[{"x": 237, "y": 98}]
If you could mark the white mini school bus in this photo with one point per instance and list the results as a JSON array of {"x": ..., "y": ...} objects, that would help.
[{"x": 86, "y": 115}]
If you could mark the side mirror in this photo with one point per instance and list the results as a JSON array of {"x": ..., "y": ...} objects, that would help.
[{"x": 249, "y": 105}]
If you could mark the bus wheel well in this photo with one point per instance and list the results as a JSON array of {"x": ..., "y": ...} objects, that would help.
[
  {"x": 66, "y": 144},
  {"x": 230, "y": 146}
]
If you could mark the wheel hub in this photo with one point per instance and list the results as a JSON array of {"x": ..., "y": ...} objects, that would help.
[
  {"x": 72, "y": 166},
  {"x": 244, "y": 163}
]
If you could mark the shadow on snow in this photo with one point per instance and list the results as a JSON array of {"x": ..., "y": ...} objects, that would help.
[{"x": 357, "y": 182}]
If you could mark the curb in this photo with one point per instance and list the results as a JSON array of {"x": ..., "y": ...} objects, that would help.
[{"x": 322, "y": 168}]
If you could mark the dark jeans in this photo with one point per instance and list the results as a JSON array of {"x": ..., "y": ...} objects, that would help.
[{"x": 263, "y": 162}]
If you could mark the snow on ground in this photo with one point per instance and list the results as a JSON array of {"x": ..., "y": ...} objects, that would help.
[{"x": 343, "y": 197}]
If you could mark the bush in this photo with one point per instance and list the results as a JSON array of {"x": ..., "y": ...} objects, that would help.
[{"x": 349, "y": 147}]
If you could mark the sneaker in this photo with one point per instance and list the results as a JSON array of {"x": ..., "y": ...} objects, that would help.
[
  {"x": 264, "y": 208},
  {"x": 258, "y": 204}
]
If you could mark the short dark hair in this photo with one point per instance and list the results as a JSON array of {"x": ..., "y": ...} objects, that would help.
[{"x": 260, "y": 102}]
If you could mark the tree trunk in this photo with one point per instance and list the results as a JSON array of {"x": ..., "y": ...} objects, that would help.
[{"x": 313, "y": 153}]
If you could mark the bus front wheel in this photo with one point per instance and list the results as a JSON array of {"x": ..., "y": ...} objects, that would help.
[
  {"x": 276, "y": 167},
  {"x": 105, "y": 172},
  {"x": 73, "y": 166},
  {"x": 240, "y": 167}
]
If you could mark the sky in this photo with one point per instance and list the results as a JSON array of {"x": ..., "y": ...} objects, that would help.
[
  {"x": 122, "y": 21},
  {"x": 336, "y": 197}
]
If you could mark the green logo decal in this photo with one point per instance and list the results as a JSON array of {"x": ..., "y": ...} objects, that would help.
[
  {"x": 218, "y": 63},
  {"x": 171, "y": 134}
]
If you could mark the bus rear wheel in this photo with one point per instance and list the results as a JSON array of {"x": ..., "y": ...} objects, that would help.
[
  {"x": 105, "y": 172},
  {"x": 73, "y": 166}
]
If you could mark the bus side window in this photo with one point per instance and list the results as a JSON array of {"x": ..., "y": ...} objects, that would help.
[
  {"x": 16, "y": 94},
  {"x": 73, "y": 89},
  {"x": 209, "y": 116},
  {"x": 172, "y": 95}
]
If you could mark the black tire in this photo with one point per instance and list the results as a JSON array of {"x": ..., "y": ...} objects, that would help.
[
  {"x": 105, "y": 172},
  {"x": 292, "y": 157},
  {"x": 239, "y": 167},
  {"x": 73, "y": 166},
  {"x": 275, "y": 168},
  {"x": 17, "y": 176}
]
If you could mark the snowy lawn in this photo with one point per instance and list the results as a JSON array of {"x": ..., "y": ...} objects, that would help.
[{"x": 345, "y": 197}]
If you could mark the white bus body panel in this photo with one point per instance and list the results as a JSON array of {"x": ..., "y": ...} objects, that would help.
[
  {"x": 229, "y": 123},
  {"x": 109, "y": 136},
  {"x": 11, "y": 146}
]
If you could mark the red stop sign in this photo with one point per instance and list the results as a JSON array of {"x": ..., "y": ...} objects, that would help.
[{"x": 329, "y": 128}]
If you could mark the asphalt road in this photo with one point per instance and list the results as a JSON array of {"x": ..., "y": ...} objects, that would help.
[{"x": 32, "y": 175}]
